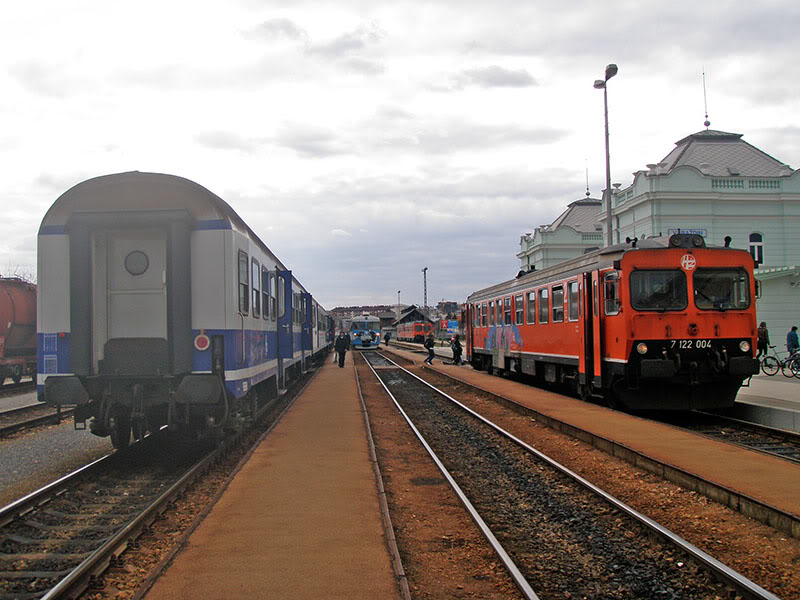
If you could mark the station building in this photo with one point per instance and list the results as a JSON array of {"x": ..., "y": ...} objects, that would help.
[{"x": 712, "y": 183}]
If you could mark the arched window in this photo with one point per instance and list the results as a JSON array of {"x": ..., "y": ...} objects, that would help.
[{"x": 757, "y": 248}]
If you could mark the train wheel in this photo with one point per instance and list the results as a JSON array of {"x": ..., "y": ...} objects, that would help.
[{"x": 121, "y": 432}]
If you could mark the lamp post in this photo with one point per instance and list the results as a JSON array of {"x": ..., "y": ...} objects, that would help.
[
  {"x": 602, "y": 84},
  {"x": 425, "y": 290}
]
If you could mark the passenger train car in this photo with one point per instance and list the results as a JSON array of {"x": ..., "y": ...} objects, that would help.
[
  {"x": 158, "y": 305},
  {"x": 365, "y": 331},
  {"x": 414, "y": 332},
  {"x": 17, "y": 329},
  {"x": 665, "y": 323}
]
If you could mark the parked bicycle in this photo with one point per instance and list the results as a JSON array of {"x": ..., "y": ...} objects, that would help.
[{"x": 787, "y": 364}]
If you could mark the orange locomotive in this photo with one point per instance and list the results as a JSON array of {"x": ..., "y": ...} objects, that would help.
[
  {"x": 414, "y": 332},
  {"x": 667, "y": 323}
]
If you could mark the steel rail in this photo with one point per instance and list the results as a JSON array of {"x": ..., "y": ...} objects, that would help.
[
  {"x": 739, "y": 581},
  {"x": 513, "y": 570},
  {"x": 49, "y": 418}
]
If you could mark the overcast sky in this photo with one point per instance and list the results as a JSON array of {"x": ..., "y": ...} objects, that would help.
[{"x": 364, "y": 140}]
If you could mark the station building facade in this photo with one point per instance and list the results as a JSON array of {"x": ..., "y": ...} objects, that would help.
[{"x": 715, "y": 184}]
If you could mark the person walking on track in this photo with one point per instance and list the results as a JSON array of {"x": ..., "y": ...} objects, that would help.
[
  {"x": 429, "y": 345},
  {"x": 763, "y": 340},
  {"x": 456, "y": 346},
  {"x": 341, "y": 346}
]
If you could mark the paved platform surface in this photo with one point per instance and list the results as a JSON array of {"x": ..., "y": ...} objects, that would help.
[
  {"x": 771, "y": 480},
  {"x": 301, "y": 519}
]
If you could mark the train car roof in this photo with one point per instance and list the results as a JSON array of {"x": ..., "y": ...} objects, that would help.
[{"x": 135, "y": 190}]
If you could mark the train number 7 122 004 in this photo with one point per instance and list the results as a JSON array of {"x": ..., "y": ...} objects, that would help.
[{"x": 689, "y": 344}]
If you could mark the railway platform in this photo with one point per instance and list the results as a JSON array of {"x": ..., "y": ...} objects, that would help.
[
  {"x": 302, "y": 518},
  {"x": 750, "y": 475}
]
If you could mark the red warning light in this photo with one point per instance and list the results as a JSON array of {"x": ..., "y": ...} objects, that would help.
[{"x": 201, "y": 342}]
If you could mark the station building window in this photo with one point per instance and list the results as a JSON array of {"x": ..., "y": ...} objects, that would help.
[
  {"x": 244, "y": 282},
  {"x": 558, "y": 303},
  {"x": 757, "y": 248},
  {"x": 544, "y": 305},
  {"x": 518, "y": 309},
  {"x": 531, "y": 308}
]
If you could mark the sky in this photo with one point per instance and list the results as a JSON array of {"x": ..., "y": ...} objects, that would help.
[{"x": 365, "y": 140}]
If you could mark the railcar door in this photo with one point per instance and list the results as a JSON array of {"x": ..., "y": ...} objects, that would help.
[
  {"x": 597, "y": 335},
  {"x": 130, "y": 326},
  {"x": 585, "y": 329},
  {"x": 285, "y": 333}
]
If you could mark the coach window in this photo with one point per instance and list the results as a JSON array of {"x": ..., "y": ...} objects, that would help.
[
  {"x": 507, "y": 311},
  {"x": 273, "y": 292},
  {"x": 544, "y": 305},
  {"x": 244, "y": 282},
  {"x": 484, "y": 321},
  {"x": 265, "y": 292},
  {"x": 572, "y": 300},
  {"x": 558, "y": 303},
  {"x": 531, "y": 308},
  {"x": 491, "y": 312},
  {"x": 611, "y": 293},
  {"x": 518, "y": 308},
  {"x": 256, "y": 290},
  {"x": 280, "y": 291}
]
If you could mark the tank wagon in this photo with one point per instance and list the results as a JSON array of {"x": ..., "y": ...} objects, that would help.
[
  {"x": 17, "y": 329},
  {"x": 665, "y": 323},
  {"x": 365, "y": 332},
  {"x": 416, "y": 331},
  {"x": 160, "y": 306}
]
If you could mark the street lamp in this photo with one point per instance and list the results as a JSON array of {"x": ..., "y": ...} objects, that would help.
[
  {"x": 425, "y": 288},
  {"x": 602, "y": 84}
]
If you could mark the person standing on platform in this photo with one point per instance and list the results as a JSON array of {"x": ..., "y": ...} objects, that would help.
[
  {"x": 341, "y": 346},
  {"x": 792, "y": 343},
  {"x": 386, "y": 338},
  {"x": 763, "y": 340},
  {"x": 456, "y": 346},
  {"x": 429, "y": 345}
]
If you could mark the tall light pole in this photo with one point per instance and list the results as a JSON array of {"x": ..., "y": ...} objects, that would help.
[
  {"x": 398, "y": 298},
  {"x": 425, "y": 289},
  {"x": 602, "y": 84}
]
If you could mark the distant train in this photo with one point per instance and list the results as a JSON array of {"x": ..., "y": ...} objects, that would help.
[
  {"x": 365, "y": 332},
  {"x": 667, "y": 323},
  {"x": 17, "y": 329},
  {"x": 416, "y": 331},
  {"x": 159, "y": 306}
]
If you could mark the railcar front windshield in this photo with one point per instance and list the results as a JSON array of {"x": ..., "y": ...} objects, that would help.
[
  {"x": 659, "y": 290},
  {"x": 365, "y": 326},
  {"x": 721, "y": 289}
]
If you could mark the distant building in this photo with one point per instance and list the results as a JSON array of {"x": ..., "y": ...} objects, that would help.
[
  {"x": 446, "y": 307},
  {"x": 574, "y": 232},
  {"x": 410, "y": 314}
]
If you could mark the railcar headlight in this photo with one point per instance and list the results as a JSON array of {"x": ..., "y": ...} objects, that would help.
[
  {"x": 744, "y": 346},
  {"x": 641, "y": 348}
]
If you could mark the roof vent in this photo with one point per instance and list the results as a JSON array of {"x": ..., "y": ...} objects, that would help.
[
  {"x": 705, "y": 168},
  {"x": 733, "y": 171}
]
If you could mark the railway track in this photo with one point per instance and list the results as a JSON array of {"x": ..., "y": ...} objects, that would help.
[
  {"x": 559, "y": 535},
  {"x": 27, "y": 417},
  {"x": 12, "y": 389},
  {"x": 58, "y": 541}
]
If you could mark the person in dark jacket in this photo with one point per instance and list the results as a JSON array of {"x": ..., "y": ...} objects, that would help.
[
  {"x": 341, "y": 346},
  {"x": 792, "y": 343},
  {"x": 429, "y": 345},
  {"x": 456, "y": 346},
  {"x": 763, "y": 340},
  {"x": 386, "y": 338}
]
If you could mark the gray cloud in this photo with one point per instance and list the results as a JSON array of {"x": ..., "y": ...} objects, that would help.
[
  {"x": 278, "y": 29},
  {"x": 362, "y": 66},
  {"x": 495, "y": 76},
  {"x": 41, "y": 79},
  {"x": 309, "y": 141},
  {"x": 226, "y": 140},
  {"x": 348, "y": 43}
]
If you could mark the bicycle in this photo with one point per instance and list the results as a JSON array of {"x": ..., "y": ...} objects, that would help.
[{"x": 789, "y": 365}]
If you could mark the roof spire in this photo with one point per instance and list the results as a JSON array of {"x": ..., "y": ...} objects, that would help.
[{"x": 707, "y": 123}]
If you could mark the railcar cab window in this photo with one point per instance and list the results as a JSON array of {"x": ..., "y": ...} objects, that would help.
[
  {"x": 658, "y": 290},
  {"x": 265, "y": 291},
  {"x": 721, "y": 289},
  {"x": 544, "y": 305},
  {"x": 572, "y": 300},
  {"x": 507, "y": 311},
  {"x": 491, "y": 312},
  {"x": 531, "y": 308},
  {"x": 558, "y": 303},
  {"x": 483, "y": 318},
  {"x": 244, "y": 282},
  {"x": 256, "y": 290},
  {"x": 518, "y": 309},
  {"x": 611, "y": 300}
]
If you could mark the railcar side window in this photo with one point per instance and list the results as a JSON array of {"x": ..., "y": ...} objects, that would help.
[
  {"x": 280, "y": 291},
  {"x": 558, "y": 303},
  {"x": 572, "y": 300},
  {"x": 594, "y": 297},
  {"x": 721, "y": 289},
  {"x": 544, "y": 305},
  {"x": 518, "y": 309},
  {"x": 244, "y": 282},
  {"x": 491, "y": 312},
  {"x": 507, "y": 311},
  {"x": 265, "y": 291},
  {"x": 611, "y": 293},
  {"x": 483, "y": 318},
  {"x": 659, "y": 290},
  {"x": 531, "y": 308},
  {"x": 256, "y": 290},
  {"x": 273, "y": 301}
]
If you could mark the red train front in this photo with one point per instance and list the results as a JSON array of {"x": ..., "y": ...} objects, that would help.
[
  {"x": 415, "y": 331},
  {"x": 667, "y": 324}
]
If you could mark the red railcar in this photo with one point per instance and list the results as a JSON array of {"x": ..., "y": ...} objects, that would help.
[
  {"x": 17, "y": 328},
  {"x": 667, "y": 323},
  {"x": 416, "y": 331}
]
